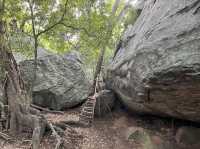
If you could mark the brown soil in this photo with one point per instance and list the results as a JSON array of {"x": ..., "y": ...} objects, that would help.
[{"x": 110, "y": 132}]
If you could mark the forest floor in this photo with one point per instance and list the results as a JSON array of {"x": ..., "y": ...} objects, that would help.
[{"x": 110, "y": 132}]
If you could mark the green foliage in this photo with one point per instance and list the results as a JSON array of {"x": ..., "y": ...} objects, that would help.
[
  {"x": 21, "y": 43},
  {"x": 130, "y": 17},
  {"x": 84, "y": 27}
]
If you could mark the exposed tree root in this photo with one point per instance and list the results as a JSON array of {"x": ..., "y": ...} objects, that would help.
[
  {"x": 58, "y": 138},
  {"x": 20, "y": 115},
  {"x": 68, "y": 126},
  {"x": 5, "y": 136},
  {"x": 46, "y": 110},
  {"x": 71, "y": 124}
]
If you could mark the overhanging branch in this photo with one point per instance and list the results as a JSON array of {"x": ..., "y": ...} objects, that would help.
[
  {"x": 55, "y": 24},
  {"x": 61, "y": 22},
  {"x": 78, "y": 29},
  {"x": 2, "y": 5}
]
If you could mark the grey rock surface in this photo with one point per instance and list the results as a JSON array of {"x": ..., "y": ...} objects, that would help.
[
  {"x": 188, "y": 137},
  {"x": 139, "y": 4},
  {"x": 156, "y": 69},
  {"x": 60, "y": 83},
  {"x": 146, "y": 140}
]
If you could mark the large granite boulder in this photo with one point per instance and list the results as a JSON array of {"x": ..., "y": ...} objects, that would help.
[
  {"x": 188, "y": 137},
  {"x": 61, "y": 82},
  {"x": 156, "y": 68}
]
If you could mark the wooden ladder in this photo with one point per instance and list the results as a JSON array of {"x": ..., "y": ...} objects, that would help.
[{"x": 86, "y": 116}]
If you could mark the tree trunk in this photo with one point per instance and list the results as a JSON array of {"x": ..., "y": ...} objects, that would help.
[
  {"x": 98, "y": 68},
  {"x": 22, "y": 116},
  {"x": 111, "y": 25},
  {"x": 35, "y": 37}
]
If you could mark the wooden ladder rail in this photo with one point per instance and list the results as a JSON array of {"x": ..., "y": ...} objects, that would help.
[{"x": 83, "y": 118}]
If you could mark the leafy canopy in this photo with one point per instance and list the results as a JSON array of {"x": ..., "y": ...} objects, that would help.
[{"x": 81, "y": 25}]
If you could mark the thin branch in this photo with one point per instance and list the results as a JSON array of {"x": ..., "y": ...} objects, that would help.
[
  {"x": 60, "y": 22},
  {"x": 115, "y": 7},
  {"x": 58, "y": 138},
  {"x": 46, "y": 110},
  {"x": 5, "y": 136},
  {"x": 49, "y": 28},
  {"x": 27, "y": 18},
  {"x": 78, "y": 29},
  {"x": 111, "y": 25},
  {"x": 35, "y": 43},
  {"x": 123, "y": 12},
  {"x": 2, "y": 7},
  {"x": 55, "y": 24},
  {"x": 32, "y": 19}
]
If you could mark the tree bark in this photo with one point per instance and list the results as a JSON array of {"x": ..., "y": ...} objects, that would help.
[
  {"x": 22, "y": 116},
  {"x": 35, "y": 37},
  {"x": 111, "y": 25},
  {"x": 98, "y": 69}
]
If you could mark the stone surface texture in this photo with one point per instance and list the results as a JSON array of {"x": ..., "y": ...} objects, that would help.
[
  {"x": 61, "y": 82},
  {"x": 156, "y": 69}
]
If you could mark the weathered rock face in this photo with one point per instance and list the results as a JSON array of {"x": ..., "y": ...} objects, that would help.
[
  {"x": 156, "y": 70},
  {"x": 60, "y": 82},
  {"x": 187, "y": 137},
  {"x": 145, "y": 140}
]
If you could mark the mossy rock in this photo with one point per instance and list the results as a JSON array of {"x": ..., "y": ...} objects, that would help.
[{"x": 144, "y": 138}]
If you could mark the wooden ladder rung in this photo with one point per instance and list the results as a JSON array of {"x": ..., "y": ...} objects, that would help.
[
  {"x": 88, "y": 112},
  {"x": 86, "y": 122},
  {"x": 89, "y": 105},
  {"x": 87, "y": 116},
  {"x": 90, "y": 108}
]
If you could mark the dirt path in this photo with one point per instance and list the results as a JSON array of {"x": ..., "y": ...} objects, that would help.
[{"x": 106, "y": 133}]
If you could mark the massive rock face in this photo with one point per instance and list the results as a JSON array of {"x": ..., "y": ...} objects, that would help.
[
  {"x": 156, "y": 70},
  {"x": 60, "y": 83}
]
